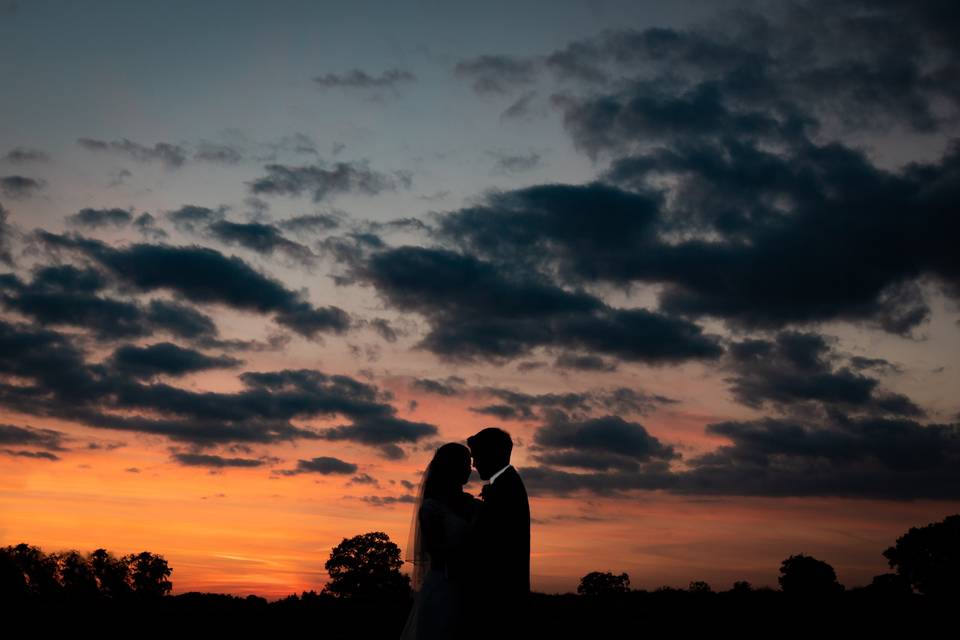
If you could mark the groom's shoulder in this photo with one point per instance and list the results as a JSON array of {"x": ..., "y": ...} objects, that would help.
[{"x": 513, "y": 478}]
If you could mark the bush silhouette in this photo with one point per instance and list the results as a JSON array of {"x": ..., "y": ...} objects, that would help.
[
  {"x": 805, "y": 575},
  {"x": 928, "y": 557},
  {"x": 366, "y": 566},
  {"x": 597, "y": 583}
]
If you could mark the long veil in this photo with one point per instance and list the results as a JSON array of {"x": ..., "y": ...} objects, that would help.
[{"x": 415, "y": 552}]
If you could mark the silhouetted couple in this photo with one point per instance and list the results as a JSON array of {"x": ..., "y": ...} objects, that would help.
[{"x": 471, "y": 572}]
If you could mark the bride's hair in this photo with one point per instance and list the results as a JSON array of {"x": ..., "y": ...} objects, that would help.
[
  {"x": 445, "y": 473},
  {"x": 443, "y": 480}
]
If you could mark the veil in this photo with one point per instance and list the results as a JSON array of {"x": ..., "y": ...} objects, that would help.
[{"x": 415, "y": 552}]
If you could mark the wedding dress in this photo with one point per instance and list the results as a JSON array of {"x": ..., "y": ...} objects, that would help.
[{"x": 437, "y": 606}]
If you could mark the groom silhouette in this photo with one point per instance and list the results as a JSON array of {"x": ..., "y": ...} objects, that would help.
[{"x": 498, "y": 586}]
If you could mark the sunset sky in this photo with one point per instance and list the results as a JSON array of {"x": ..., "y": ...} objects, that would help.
[{"x": 259, "y": 260}]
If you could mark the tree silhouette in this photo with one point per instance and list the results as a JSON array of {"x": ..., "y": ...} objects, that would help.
[
  {"x": 148, "y": 574},
  {"x": 112, "y": 574},
  {"x": 742, "y": 586},
  {"x": 805, "y": 575},
  {"x": 29, "y": 571},
  {"x": 76, "y": 576},
  {"x": 699, "y": 586},
  {"x": 366, "y": 566},
  {"x": 601, "y": 583},
  {"x": 928, "y": 557}
]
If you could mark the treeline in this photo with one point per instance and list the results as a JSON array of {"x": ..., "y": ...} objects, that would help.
[
  {"x": 368, "y": 596},
  {"x": 27, "y": 573}
]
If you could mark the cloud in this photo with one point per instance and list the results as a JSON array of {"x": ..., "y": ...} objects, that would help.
[
  {"x": 192, "y": 218},
  {"x": 508, "y": 164},
  {"x": 322, "y": 182},
  {"x": 218, "y": 153},
  {"x": 46, "y": 455},
  {"x": 323, "y": 465},
  {"x": 796, "y": 368},
  {"x": 7, "y": 232},
  {"x": 20, "y": 187},
  {"x": 262, "y": 238},
  {"x": 49, "y": 439},
  {"x": 579, "y": 405},
  {"x": 172, "y": 156},
  {"x": 99, "y": 218},
  {"x": 22, "y": 155},
  {"x": 66, "y": 295},
  {"x": 310, "y": 223},
  {"x": 496, "y": 73},
  {"x": 479, "y": 312},
  {"x": 165, "y": 358},
  {"x": 598, "y": 443},
  {"x": 219, "y": 462},
  {"x": 204, "y": 275},
  {"x": 55, "y": 380},
  {"x": 358, "y": 79},
  {"x": 383, "y": 501},
  {"x": 583, "y": 362},
  {"x": 451, "y": 386}
]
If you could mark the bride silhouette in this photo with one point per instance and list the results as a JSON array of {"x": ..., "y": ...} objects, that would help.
[{"x": 439, "y": 534}]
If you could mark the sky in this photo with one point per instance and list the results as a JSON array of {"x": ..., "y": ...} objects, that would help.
[{"x": 259, "y": 260}]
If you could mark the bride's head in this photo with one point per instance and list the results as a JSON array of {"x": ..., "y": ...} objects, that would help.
[{"x": 447, "y": 472}]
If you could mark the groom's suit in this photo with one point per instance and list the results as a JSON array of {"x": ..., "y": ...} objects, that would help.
[{"x": 500, "y": 546}]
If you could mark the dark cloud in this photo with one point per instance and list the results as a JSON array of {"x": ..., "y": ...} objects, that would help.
[
  {"x": 477, "y": 311},
  {"x": 262, "y": 238},
  {"x": 383, "y": 501},
  {"x": 49, "y": 439},
  {"x": 521, "y": 108},
  {"x": 146, "y": 224},
  {"x": 18, "y": 187},
  {"x": 19, "y": 155},
  {"x": 55, "y": 380},
  {"x": 310, "y": 223},
  {"x": 357, "y": 79},
  {"x": 382, "y": 431},
  {"x": 192, "y": 218},
  {"x": 165, "y": 358},
  {"x": 364, "y": 478},
  {"x": 204, "y": 275},
  {"x": 517, "y": 405},
  {"x": 324, "y": 465},
  {"x": 6, "y": 235},
  {"x": 172, "y": 156},
  {"x": 67, "y": 295},
  {"x": 868, "y": 457},
  {"x": 45, "y": 455},
  {"x": 208, "y": 460},
  {"x": 583, "y": 362},
  {"x": 322, "y": 182},
  {"x": 99, "y": 218},
  {"x": 796, "y": 368},
  {"x": 451, "y": 386},
  {"x": 496, "y": 73},
  {"x": 607, "y": 442},
  {"x": 218, "y": 153},
  {"x": 508, "y": 164}
]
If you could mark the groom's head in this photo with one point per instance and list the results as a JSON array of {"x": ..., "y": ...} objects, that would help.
[{"x": 490, "y": 449}]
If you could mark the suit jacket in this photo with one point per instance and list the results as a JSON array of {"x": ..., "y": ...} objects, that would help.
[{"x": 500, "y": 544}]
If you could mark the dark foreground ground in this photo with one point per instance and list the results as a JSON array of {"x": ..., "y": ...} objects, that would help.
[{"x": 638, "y": 614}]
